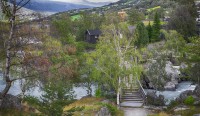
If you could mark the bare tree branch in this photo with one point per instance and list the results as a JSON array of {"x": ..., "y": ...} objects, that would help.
[{"x": 23, "y": 4}]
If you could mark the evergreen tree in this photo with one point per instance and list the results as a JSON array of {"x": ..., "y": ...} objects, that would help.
[
  {"x": 193, "y": 59},
  {"x": 149, "y": 29},
  {"x": 156, "y": 28},
  {"x": 183, "y": 21},
  {"x": 141, "y": 34}
]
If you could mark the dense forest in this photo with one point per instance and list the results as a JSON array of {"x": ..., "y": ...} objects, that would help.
[{"x": 140, "y": 48}]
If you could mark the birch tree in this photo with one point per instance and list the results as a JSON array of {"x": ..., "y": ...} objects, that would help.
[
  {"x": 115, "y": 58},
  {"x": 12, "y": 44}
]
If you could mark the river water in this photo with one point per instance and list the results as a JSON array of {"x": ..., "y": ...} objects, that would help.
[
  {"x": 172, "y": 95},
  {"x": 79, "y": 91}
]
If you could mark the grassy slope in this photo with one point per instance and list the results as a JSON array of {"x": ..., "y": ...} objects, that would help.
[{"x": 91, "y": 106}]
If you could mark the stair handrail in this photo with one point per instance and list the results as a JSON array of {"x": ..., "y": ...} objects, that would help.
[
  {"x": 141, "y": 87},
  {"x": 144, "y": 94}
]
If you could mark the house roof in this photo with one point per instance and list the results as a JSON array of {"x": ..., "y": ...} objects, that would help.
[{"x": 94, "y": 32}]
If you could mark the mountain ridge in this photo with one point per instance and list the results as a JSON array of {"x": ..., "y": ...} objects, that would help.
[{"x": 53, "y": 6}]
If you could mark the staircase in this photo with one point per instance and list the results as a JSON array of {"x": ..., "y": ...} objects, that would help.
[{"x": 131, "y": 97}]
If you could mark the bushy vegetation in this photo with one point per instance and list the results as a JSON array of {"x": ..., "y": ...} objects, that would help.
[
  {"x": 98, "y": 93},
  {"x": 172, "y": 105},
  {"x": 189, "y": 100}
]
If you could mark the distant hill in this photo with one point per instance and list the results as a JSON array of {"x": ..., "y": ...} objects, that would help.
[
  {"x": 52, "y": 6},
  {"x": 125, "y": 5},
  {"x": 109, "y": 7},
  {"x": 96, "y": 4}
]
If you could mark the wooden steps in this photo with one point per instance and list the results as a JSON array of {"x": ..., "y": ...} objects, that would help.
[{"x": 131, "y": 98}]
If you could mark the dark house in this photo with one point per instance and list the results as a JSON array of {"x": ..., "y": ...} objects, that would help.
[{"x": 91, "y": 36}]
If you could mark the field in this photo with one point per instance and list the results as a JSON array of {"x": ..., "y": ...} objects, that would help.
[
  {"x": 154, "y": 8},
  {"x": 75, "y": 17},
  {"x": 151, "y": 22}
]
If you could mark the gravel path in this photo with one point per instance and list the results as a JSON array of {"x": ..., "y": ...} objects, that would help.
[{"x": 135, "y": 111}]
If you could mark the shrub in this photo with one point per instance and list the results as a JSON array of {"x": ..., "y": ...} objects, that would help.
[
  {"x": 189, "y": 100},
  {"x": 98, "y": 93},
  {"x": 31, "y": 100},
  {"x": 172, "y": 104},
  {"x": 112, "y": 109}
]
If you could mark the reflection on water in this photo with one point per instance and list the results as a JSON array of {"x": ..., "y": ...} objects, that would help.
[
  {"x": 15, "y": 89},
  {"x": 81, "y": 91}
]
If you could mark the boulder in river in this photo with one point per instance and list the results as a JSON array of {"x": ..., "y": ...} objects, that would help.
[
  {"x": 11, "y": 102},
  {"x": 173, "y": 72},
  {"x": 170, "y": 86},
  {"x": 168, "y": 79},
  {"x": 173, "y": 75},
  {"x": 197, "y": 102},
  {"x": 195, "y": 94},
  {"x": 184, "y": 95},
  {"x": 197, "y": 91},
  {"x": 153, "y": 99}
]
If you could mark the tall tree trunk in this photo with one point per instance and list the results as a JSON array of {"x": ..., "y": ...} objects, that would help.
[
  {"x": 118, "y": 92},
  {"x": 8, "y": 59},
  {"x": 10, "y": 12}
]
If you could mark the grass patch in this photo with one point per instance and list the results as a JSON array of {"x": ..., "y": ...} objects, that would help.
[
  {"x": 75, "y": 17},
  {"x": 154, "y": 8},
  {"x": 10, "y": 112},
  {"x": 151, "y": 23},
  {"x": 160, "y": 114},
  {"x": 91, "y": 106},
  {"x": 147, "y": 23}
]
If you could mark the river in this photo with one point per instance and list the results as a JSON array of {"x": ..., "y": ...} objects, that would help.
[
  {"x": 172, "y": 95},
  {"x": 79, "y": 91}
]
